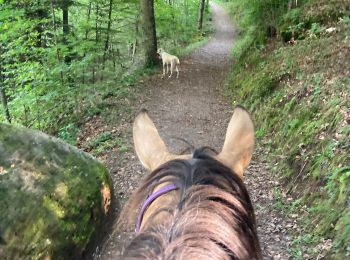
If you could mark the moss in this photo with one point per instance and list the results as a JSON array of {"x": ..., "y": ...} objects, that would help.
[
  {"x": 296, "y": 94},
  {"x": 49, "y": 195}
]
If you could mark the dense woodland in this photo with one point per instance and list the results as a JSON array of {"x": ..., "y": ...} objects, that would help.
[
  {"x": 60, "y": 58},
  {"x": 61, "y": 64}
]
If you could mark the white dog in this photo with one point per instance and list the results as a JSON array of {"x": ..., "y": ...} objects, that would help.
[{"x": 167, "y": 60}]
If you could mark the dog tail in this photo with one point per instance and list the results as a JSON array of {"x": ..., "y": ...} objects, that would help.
[{"x": 177, "y": 61}]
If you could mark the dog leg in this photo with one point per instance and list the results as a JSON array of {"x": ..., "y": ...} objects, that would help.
[
  {"x": 163, "y": 71},
  {"x": 177, "y": 70},
  {"x": 171, "y": 69}
]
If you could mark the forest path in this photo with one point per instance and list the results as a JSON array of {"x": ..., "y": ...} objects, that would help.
[{"x": 194, "y": 108}]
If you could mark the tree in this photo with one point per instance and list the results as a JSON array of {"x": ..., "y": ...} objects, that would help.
[
  {"x": 108, "y": 31},
  {"x": 49, "y": 46},
  {"x": 4, "y": 98},
  {"x": 65, "y": 25},
  {"x": 201, "y": 15},
  {"x": 148, "y": 30}
]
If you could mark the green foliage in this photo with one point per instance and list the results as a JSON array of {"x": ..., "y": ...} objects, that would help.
[
  {"x": 69, "y": 133},
  {"x": 334, "y": 211},
  {"x": 106, "y": 141},
  {"x": 177, "y": 24},
  {"x": 298, "y": 94},
  {"x": 279, "y": 203},
  {"x": 316, "y": 28},
  {"x": 305, "y": 240},
  {"x": 256, "y": 20},
  {"x": 261, "y": 132},
  {"x": 101, "y": 138},
  {"x": 54, "y": 81}
]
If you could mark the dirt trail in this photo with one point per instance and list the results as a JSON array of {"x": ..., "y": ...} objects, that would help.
[{"x": 194, "y": 108}]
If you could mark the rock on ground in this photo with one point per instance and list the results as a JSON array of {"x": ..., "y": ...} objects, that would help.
[{"x": 52, "y": 196}]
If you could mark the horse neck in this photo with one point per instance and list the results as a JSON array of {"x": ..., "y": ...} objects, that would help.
[{"x": 202, "y": 229}]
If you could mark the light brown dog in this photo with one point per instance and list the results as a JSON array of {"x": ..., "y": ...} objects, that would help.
[{"x": 167, "y": 60}]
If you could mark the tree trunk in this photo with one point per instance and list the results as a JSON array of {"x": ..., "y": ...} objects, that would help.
[
  {"x": 201, "y": 15},
  {"x": 96, "y": 22},
  {"x": 148, "y": 28},
  {"x": 41, "y": 15},
  {"x": 3, "y": 95},
  {"x": 135, "y": 43},
  {"x": 4, "y": 99},
  {"x": 65, "y": 26},
  {"x": 65, "y": 21},
  {"x": 55, "y": 37},
  {"x": 86, "y": 35},
  {"x": 88, "y": 19},
  {"x": 108, "y": 32},
  {"x": 97, "y": 39},
  {"x": 292, "y": 4}
]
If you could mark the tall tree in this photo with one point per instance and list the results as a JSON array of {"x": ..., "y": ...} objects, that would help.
[
  {"x": 4, "y": 99},
  {"x": 201, "y": 15},
  {"x": 3, "y": 95},
  {"x": 53, "y": 15},
  {"x": 148, "y": 29},
  {"x": 65, "y": 25},
  {"x": 108, "y": 31}
]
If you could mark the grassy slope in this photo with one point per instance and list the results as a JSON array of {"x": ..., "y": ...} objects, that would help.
[{"x": 300, "y": 97}]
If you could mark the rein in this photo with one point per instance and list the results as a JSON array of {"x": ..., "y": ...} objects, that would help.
[{"x": 150, "y": 199}]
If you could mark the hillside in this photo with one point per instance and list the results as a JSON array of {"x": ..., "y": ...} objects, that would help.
[{"x": 293, "y": 73}]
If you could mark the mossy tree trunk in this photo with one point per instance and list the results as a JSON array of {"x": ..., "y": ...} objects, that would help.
[
  {"x": 65, "y": 26},
  {"x": 201, "y": 15},
  {"x": 4, "y": 103},
  {"x": 148, "y": 30},
  {"x": 107, "y": 33},
  {"x": 4, "y": 97}
]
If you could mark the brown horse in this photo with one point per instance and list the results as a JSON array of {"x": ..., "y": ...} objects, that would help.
[{"x": 193, "y": 206}]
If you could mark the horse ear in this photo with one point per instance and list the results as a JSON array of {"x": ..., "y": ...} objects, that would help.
[
  {"x": 149, "y": 146},
  {"x": 239, "y": 142}
]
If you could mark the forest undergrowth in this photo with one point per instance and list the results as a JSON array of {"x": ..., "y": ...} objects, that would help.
[
  {"x": 292, "y": 73},
  {"x": 62, "y": 63}
]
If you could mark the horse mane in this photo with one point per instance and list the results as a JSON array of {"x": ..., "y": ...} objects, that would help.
[{"x": 214, "y": 218}]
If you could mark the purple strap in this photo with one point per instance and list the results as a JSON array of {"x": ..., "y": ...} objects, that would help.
[{"x": 150, "y": 199}]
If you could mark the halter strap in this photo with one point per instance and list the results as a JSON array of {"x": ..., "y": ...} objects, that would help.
[{"x": 150, "y": 199}]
